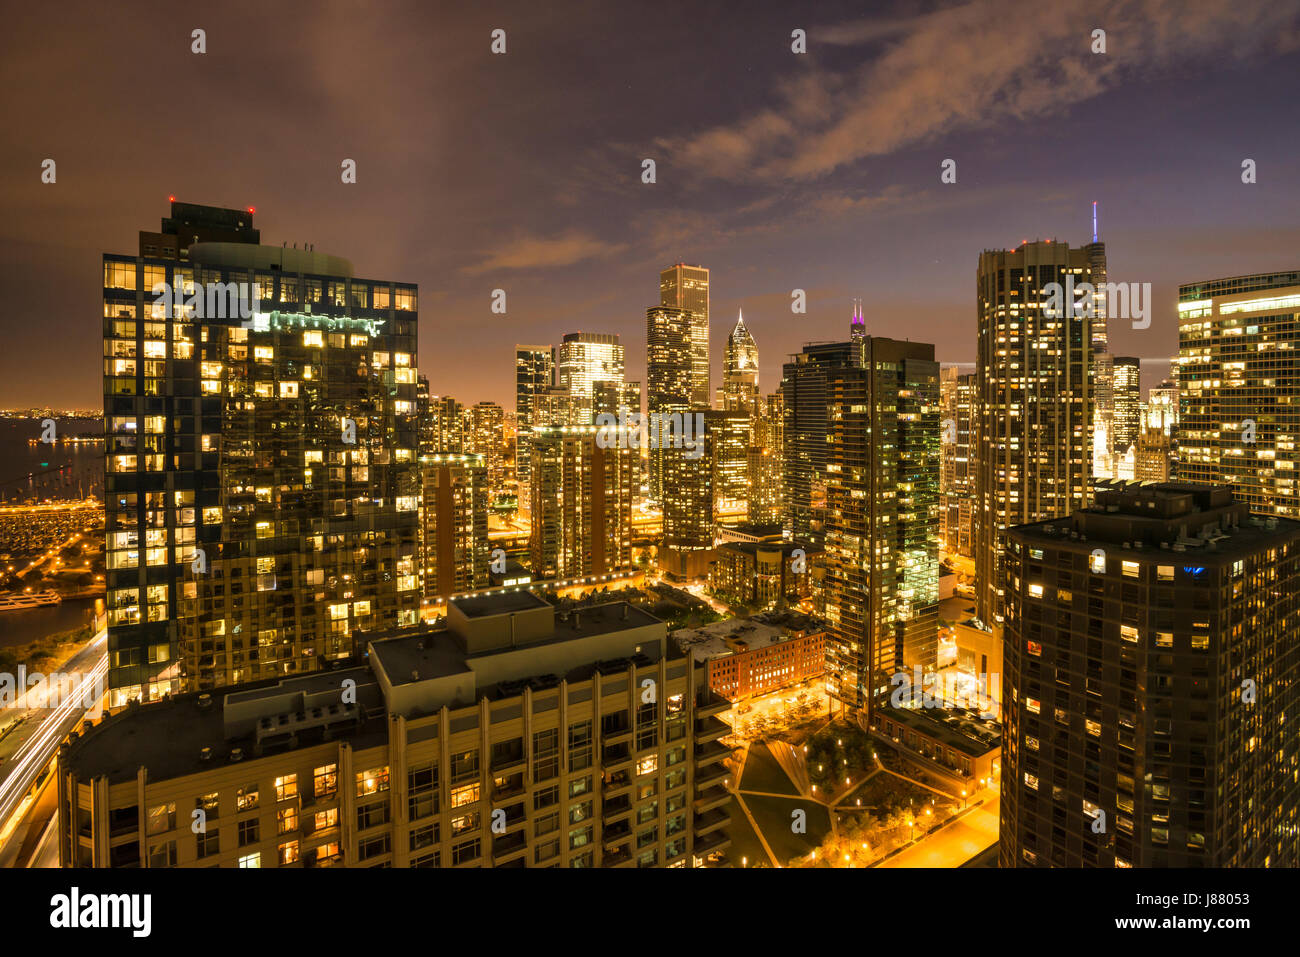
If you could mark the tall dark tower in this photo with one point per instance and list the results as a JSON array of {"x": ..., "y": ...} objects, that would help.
[{"x": 857, "y": 325}]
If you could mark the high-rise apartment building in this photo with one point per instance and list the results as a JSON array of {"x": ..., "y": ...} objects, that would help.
[
  {"x": 1103, "y": 374},
  {"x": 445, "y": 427},
  {"x": 484, "y": 427},
  {"x": 587, "y": 362},
  {"x": 687, "y": 287},
  {"x": 262, "y": 487},
  {"x": 671, "y": 385},
  {"x": 740, "y": 371},
  {"x": 534, "y": 373},
  {"x": 509, "y": 736},
  {"x": 957, "y": 398},
  {"x": 1151, "y": 677},
  {"x": 882, "y": 519},
  {"x": 1034, "y": 404},
  {"x": 1239, "y": 388},
  {"x": 1162, "y": 408},
  {"x": 728, "y": 450},
  {"x": 1153, "y": 456},
  {"x": 454, "y": 521},
  {"x": 556, "y": 406},
  {"x": 805, "y": 429},
  {"x": 689, "y": 509},
  {"x": 1127, "y": 392},
  {"x": 765, "y": 458},
  {"x": 581, "y": 501}
]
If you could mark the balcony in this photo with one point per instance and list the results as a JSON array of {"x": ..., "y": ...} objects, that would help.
[
  {"x": 612, "y": 733},
  {"x": 708, "y": 704},
  {"x": 711, "y": 842},
  {"x": 616, "y": 807},
  {"x": 506, "y": 787},
  {"x": 616, "y": 756},
  {"x": 711, "y": 774},
  {"x": 713, "y": 751},
  {"x": 710, "y": 729},
  {"x": 616, "y": 858},
  {"x": 616, "y": 833},
  {"x": 511, "y": 845},
  {"x": 710, "y": 821},
  {"x": 616, "y": 784}
]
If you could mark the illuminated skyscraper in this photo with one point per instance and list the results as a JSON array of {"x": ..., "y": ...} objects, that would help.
[
  {"x": 1239, "y": 388},
  {"x": 740, "y": 370},
  {"x": 587, "y": 359},
  {"x": 1034, "y": 403},
  {"x": 1133, "y": 631},
  {"x": 444, "y": 429},
  {"x": 581, "y": 503},
  {"x": 958, "y": 482},
  {"x": 1127, "y": 392},
  {"x": 806, "y": 426},
  {"x": 728, "y": 447},
  {"x": 882, "y": 518},
  {"x": 1152, "y": 456},
  {"x": 696, "y": 450},
  {"x": 557, "y": 406},
  {"x": 534, "y": 372},
  {"x": 670, "y": 377},
  {"x": 262, "y": 483},
  {"x": 765, "y": 460},
  {"x": 687, "y": 287},
  {"x": 454, "y": 521},
  {"x": 1162, "y": 408},
  {"x": 1104, "y": 448},
  {"x": 857, "y": 325},
  {"x": 485, "y": 436}
]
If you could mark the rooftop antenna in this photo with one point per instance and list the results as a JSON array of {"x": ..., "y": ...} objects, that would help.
[{"x": 1094, "y": 220}]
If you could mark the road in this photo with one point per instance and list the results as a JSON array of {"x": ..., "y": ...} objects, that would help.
[
  {"x": 957, "y": 843},
  {"x": 31, "y": 745}
]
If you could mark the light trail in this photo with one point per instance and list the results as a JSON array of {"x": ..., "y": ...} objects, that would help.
[{"x": 37, "y": 752}]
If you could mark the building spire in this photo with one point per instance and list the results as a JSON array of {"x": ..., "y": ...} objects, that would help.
[{"x": 1094, "y": 220}]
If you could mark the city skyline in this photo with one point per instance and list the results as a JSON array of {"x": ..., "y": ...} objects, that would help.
[
  {"x": 673, "y": 436},
  {"x": 771, "y": 185}
]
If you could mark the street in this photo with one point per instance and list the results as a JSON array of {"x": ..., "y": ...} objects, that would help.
[{"x": 28, "y": 749}]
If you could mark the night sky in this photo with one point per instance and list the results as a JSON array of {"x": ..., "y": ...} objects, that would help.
[{"x": 523, "y": 171}]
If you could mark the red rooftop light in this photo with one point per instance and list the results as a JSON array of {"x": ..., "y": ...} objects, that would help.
[
  {"x": 171, "y": 199},
  {"x": 251, "y": 209}
]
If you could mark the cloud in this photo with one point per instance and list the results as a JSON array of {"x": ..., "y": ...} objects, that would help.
[
  {"x": 972, "y": 66},
  {"x": 535, "y": 252}
]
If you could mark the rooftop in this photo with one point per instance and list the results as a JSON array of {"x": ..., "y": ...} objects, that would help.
[
  {"x": 169, "y": 736},
  {"x": 498, "y": 603},
  {"x": 742, "y": 634},
  {"x": 1163, "y": 517},
  {"x": 958, "y": 729}
]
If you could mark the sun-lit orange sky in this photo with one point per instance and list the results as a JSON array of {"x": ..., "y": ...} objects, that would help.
[{"x": 778, "y": 171}]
